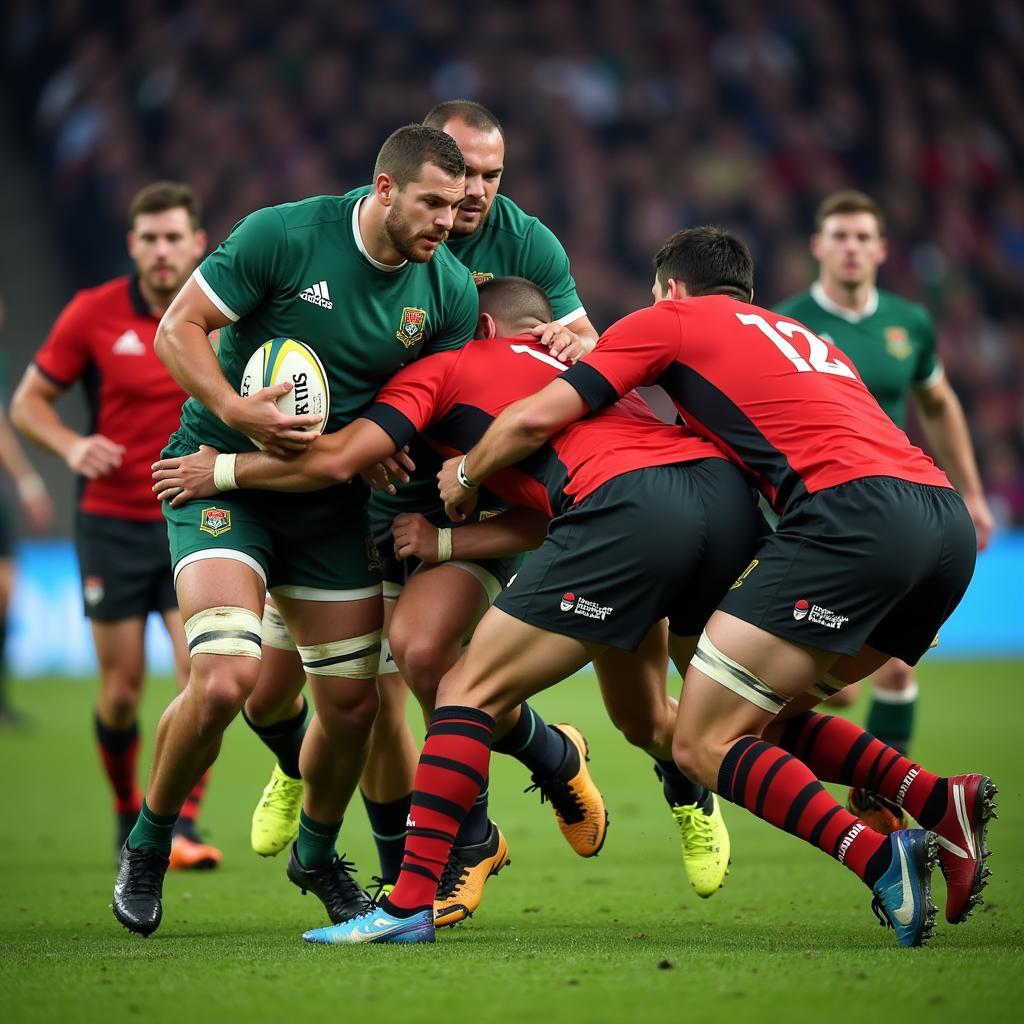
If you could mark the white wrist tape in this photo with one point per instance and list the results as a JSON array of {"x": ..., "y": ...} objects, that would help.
[
  {"x": 224, "y": 472},
  {"x": 444, "y": 544}
]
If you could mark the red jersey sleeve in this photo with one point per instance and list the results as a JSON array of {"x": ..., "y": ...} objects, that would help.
[
  {"x": 633, "y": 352},
  {"x": 66, "y": 352},
  {"x": 415, "y": 397}
]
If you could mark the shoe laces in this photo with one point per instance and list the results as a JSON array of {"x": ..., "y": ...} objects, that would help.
[
  {"x": 696, "y": 826},
  {"x": 338, "y": 880},
  {"x": 453, "y": 875},
  {"x": 881, "y": 913},
  {"x": 145, "y": 873},
  {"x": 380, "y": 886},
  {"x": 280, "y": 796}
]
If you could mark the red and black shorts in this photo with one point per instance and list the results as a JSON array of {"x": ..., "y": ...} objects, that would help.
[
  {"x": 125, "y": 567},
  {"x": 663, "y": 542},
  {"x": 876, "y": 561}
]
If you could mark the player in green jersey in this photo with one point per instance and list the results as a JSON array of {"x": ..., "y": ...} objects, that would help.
[
  {"x": 365, "y": 279},
  {"x": 892, "y": 343}
]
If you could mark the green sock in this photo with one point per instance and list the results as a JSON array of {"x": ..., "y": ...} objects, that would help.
[
  {"x": 315, "y": 845},
  {"x": 891, "y": 716},
  {"x": 152, "y": 831}
]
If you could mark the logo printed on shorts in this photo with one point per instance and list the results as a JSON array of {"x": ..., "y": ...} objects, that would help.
[
  {"x": 568, "y": 600},
  {"x": 800, "y": 609},
  {"x": 215, "y": 521},
  {"x": 746, "y": 572},
  {"x": 410, "y": 330},
  {"x": 581, "y": 606},
  {"x": 373, "y": 563},
  {"x": 92, "y": 590},
  {"x": 819, "y": 616}
]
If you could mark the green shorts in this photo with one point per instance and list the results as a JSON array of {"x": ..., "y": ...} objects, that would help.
[{"x": 314, "y": 546}]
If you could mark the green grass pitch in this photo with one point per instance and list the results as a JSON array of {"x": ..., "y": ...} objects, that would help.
[{"x": 620, "y": 937}]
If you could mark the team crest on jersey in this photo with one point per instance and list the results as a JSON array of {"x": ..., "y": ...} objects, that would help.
[
  {"x": 897, "y": 342},
  {"x": 743, "y": 575},
  {"x": 215, "y": 521},
  {"x": 479, "y": 276},
  {"x": 410, "y": 330},
  {"x": 373, "y": 562}
]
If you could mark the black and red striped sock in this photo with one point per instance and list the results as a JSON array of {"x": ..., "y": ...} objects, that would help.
[
  {"x": 119, "y": 752},
  {"x": 451, "y": 772},
  {"x": 186, "y": 824},
  {"x": 838, "y": 750},
  {"x": 783, "y": 791}
]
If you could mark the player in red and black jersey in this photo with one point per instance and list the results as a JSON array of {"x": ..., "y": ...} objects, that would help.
[
  {"x": 650, "y": 522},
  {"x": 873, "y": 551},
  {"x": 104, "y": 338}
]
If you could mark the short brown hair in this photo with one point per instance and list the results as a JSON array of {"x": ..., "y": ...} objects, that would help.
[
  {"x": 514, "y": 299},
  {"x": 709, "y": 261},
  {"x": 471, "y": 113},
  {"x": 167, "y": 195},
  {"x": 848, "y": 201},
  {"x": 406, "y": 150}
]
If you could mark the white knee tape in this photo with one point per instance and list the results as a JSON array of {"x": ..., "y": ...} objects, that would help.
[
  {"x": 275, "y": 632},
  {"x": 354, "y": 658},
  {"x": 733, "y": 676},
  {"x": 224, "y": 630},
  {"x": 387, "y": 666}
]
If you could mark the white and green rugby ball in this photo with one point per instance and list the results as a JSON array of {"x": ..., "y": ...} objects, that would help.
[{"x": 288, "y": 359}]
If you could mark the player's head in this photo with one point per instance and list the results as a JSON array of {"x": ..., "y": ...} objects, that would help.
[
  {"x": 849, "y": 239},
  {"x": 420, "y": 177},
  {"x": 165, "y": 240},
  {"x": 703, "y": 261},
  {"x": 511, "y": 306},
  {"x": 478, "y": 133}
]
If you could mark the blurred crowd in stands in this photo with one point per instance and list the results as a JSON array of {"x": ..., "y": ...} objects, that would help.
[{"x": 625, "y": 122}]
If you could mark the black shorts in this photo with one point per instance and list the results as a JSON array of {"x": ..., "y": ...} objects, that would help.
[
  {"x": 493, "y": 573},
  {"x": 650, "y": 544},
  {"x": 6, "y": 531},
  {"x": 877, "y": 561},
  {"x": 125, "y": 567}
]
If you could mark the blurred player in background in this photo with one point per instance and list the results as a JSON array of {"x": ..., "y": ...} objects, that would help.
[
  {"x": 891, "y": 342},
  {"x": 35, "y": 503},
  {"x": 104, "y": 338}
]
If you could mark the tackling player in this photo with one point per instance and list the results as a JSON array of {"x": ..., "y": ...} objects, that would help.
[
  {"x": 873, "y": 551},
  {"x": 891, "y": 342},
  {"x": 104, "y": 338},
  {"x": 366, "y": 280}
]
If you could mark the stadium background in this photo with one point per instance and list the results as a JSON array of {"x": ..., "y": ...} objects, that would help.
[{"x": 624, "y": 122}]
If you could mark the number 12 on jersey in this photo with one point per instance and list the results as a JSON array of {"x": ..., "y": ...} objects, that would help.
[{"x": 817, "y": 358}]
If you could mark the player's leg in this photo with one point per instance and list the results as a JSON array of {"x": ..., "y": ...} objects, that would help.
[
  {"x": 337, "y": 634},
  {"x": 277, "y": 713},
  {"x": 9, "y": 716},
  {"x": 507, "y": 662}
]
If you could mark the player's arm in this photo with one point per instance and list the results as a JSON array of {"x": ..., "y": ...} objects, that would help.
[
  {"x": 517, "y": 432},
  {"x": 34, "y": 414},
  {"x": 568, "y": 342},
  {"x": 183, "y": 344},
  {"x": 31, "y": 489},
  {"x": 511, "y": 532},
  {"x": 945, "y": 427},
  {"x": 331, "y": 459}
]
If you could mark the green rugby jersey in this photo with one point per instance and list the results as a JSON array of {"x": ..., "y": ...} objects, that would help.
[
  {"x": 892, "y": 343},
  {"x": 511, "y": 243},
  {"x": 300, "y": 270}
]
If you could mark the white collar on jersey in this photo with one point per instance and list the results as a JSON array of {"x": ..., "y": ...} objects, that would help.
[
  {"x": 870, "y": 307},
  {"x": 356, "y": 234}
]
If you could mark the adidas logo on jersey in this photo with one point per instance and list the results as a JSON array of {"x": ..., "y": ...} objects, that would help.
[
  {"x": 129, "y": 344},
  {"x": 318, "y": 295}
]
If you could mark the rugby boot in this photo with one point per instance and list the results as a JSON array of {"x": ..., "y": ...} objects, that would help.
[
  {"x": 381, "y": 889},
  {"x": 376, "y": 925},
  {"x": 962, "y": 832},
  {"x": 138, "y": 890},
  {"x": 576, "y": 801},
  {"x": 705, "y": 842},
  {"x": 190, "y": 853},
  {"x": 275, "y": 822},
  {"x": 332, "y": 883},
  {"x": 879, "y": 814},
  {"x": 462, "y": 882},
  {"x": 903, "y": 896}
]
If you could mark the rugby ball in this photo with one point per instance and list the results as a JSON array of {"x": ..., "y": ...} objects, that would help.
[{"x": 287, "y": 359}]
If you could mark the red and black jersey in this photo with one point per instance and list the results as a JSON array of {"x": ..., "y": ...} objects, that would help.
[
  {"x": 104, "y": 337},
  {"x": 452, "y": 397},
  {"x": 788, "y": 407}
]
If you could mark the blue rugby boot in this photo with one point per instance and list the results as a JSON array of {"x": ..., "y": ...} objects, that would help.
[
  {"x": 377, "y": 925},
  {"x": 903, "y": 896}
]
